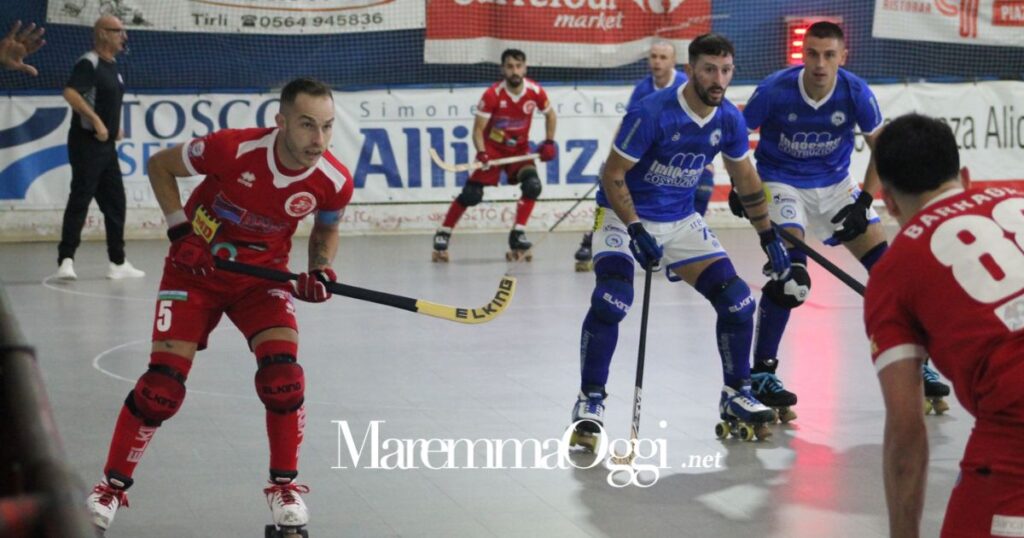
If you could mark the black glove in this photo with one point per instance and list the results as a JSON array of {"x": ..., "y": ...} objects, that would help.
[
  {"x": 645, "y": 248},
  {"x": 854, "y": 218},
  {"x": 735, "y": 205}
]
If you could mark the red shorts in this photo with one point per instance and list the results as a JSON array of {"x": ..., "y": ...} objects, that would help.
[
  {"x": 988, "y": 499},
  {"x": 492, "y": 175},
  {"x": 189, "y": 307}
]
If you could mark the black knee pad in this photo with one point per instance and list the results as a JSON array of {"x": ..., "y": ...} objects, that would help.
[
  {"x": 613, "y": 292},
  {"x": 793, "y": 291},
  {"x": 530, "y": 183},
  {"x": 280, "y": 383},
  {"x": 157, "y": 395},
  {"x": 471, "y": 194}
]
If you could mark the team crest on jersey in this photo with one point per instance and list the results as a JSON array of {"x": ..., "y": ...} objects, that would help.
[
  {"x": 715, "y": 138},
  {"x": 247, "y": 179},
  {"x": 197, "y": 149},
  {"x": 792, "y": 117},
  {"x": 503, "y": 104},
  {"x": 529, "y": 107},
  {"x": 675, "y": 137},
  {"x": 838, "y": 118},
  {"x": 300, "y": 204}
]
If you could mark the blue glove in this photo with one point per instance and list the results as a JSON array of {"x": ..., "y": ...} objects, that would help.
[
  {"x": 645, "y": 249},
  {"x": 777, "y": 255}
]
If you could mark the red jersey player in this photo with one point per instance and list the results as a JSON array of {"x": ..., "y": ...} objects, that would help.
[
  {"x": 502, "y": 129},
  {"x": 259, "y": 184},
  {"x": 950, "y": 287}
]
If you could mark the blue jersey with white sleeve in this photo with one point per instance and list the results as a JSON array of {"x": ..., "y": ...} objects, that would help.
[
  {"x": 670, "y": 146},
  {"x": 647, "y": 86},
  {"x": 807, "y": 144}
]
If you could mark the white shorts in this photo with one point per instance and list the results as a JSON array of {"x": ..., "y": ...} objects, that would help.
[
  {"x": 684, "y": 241},
  {"x": 812, "y": 209}
]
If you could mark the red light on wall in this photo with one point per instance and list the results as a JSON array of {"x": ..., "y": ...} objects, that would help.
[{"x": 796, "y": 28}]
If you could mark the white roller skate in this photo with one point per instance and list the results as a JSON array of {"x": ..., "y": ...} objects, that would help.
[
  {"x": 934, "y": 391},
  {"x": 288, "y": 510},
  {"x": 588, "y": 418},
  {"x": 106, "y": 497},
  {"x": 441, "y": 239},
  {"x": 742, "y": 415},
  {"x": 519, "y": 247},
  {"x": 584, "y": 255}
]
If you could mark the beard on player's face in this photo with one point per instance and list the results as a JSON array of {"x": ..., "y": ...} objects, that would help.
[{"x": 710, "y": 95}]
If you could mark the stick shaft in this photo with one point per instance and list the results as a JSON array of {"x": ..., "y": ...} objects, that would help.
[{"x": 822, "y": 261}]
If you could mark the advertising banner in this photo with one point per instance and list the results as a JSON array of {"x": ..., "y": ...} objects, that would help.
[
  {"x": 560, "y": 33},
  {"x": 964, "y": 22},
  {"x": 245, "y": 16}
]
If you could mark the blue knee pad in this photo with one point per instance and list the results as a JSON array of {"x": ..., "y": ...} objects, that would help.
[
  {"x": 613, "y": 294},
  {"x": 727, "y": 292}
]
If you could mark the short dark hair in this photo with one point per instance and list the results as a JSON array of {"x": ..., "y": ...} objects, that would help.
[
  {"x": 916, "y": 154},
  {"x": 515, "y": 54},
  {"x": 710, "y": 45},
  {"x": 825, "y": 30},
  {"x": 308, "y": 86}
]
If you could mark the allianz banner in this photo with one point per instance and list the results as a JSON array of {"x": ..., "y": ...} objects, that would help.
[
  {"x": 384, "y": 137},
  {"x": 560, "y": 33},
  {"x": 964, "y": 22},
  {"x": 245, "y": 16}
]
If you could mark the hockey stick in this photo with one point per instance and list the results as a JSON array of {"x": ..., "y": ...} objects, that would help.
[
  {"x": 822, "y": 261},
  {"x": 634, "y": 430},
  {"x": 475, "y": 165},
  {"x": 502, "y": 297},
  {"x": 573, "y": 208}
]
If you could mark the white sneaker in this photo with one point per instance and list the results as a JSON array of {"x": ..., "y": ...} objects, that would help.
[
  {"x": 125, "y": 270},
  {"x": 66, "y": 271},
  {"x": 286, "y": 506},
  {"x": 103, "y": 503}
]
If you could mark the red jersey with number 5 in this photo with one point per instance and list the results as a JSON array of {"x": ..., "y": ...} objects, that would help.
[
  {"x": 509, "y": 115},
  {"x": 248, "y": 203},
  {"x": 952, "y": 285}
]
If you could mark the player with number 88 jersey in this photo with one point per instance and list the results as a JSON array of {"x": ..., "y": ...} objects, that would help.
[{"x": 952, "y": 287}]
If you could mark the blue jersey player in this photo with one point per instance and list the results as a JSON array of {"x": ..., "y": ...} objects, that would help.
[
  {"x": 662, "y": 62},
  {"x": 807, "y": 115},
  {"x": 646, "y": 214}
]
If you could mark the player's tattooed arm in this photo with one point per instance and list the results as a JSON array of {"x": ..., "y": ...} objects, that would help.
[
  {"x": 615, "y": 188},
  {"x": 323, "y": 245},
  {"x": 751, "y": 192}
]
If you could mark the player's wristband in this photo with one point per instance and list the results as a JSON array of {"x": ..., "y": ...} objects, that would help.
[
  {"x": 179, "y": 231},
  {"x": 175, "y": 218}
]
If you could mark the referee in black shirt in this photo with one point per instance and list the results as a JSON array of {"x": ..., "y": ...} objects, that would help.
[{"x": 95, "y": 91}]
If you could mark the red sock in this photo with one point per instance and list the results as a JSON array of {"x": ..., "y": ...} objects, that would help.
[
  {"x": 285, "y": 434},
  {"x": 131, "y": 434},
  {"x": 523, "y": 209},
  {"x": 455, "y": 212}
]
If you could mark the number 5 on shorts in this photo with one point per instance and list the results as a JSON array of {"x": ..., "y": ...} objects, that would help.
[{"x": 163, "y": 315}]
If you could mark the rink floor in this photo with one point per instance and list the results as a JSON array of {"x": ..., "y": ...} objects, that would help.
[{"x": 513, "y": 379}]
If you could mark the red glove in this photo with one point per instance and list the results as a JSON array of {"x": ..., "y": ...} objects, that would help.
[
  {"x": 483, "y": 158},
  {"x": 547, "y": 150},
  {"x": 311, "y": 285},
  {"x": 189, "y": 252}
]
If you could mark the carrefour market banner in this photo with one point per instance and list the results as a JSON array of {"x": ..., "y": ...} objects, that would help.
[
  {"x": 384, "y": 138},
  {"x": 964, "y": 22},
  {"x": 245, "y": 16},
  {"x": 560, "y": 33}
]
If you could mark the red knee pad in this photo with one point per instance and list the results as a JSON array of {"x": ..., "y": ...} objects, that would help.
[
  {"x": 159, "y": 393},
  {"x": 280, "y": 383}
]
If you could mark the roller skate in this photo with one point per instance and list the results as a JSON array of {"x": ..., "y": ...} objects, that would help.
[
  {"x": 742, "y": 415},
  {"x": 584, "y": 255},
  {"x": 106, "y": 497},
  {"x": 519, "y": 247},
  {"x": 440, "y": 253},
  {"x": 588, "y": 418},
  {"x": 288, "y": 510},
  {"x": 934, "y": 391},
  {"x": 769, "y": 390}
]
